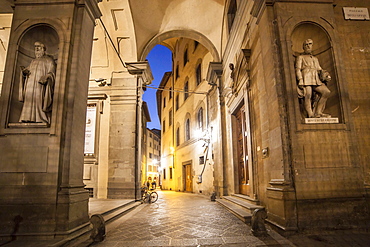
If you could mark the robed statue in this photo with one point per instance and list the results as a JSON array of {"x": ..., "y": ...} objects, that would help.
[{"x": 37, "y": 87}]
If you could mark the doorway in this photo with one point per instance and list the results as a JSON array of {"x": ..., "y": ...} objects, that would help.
[
  {"x": 188, "y": 178},
  {"x": 241, "y": 155}
]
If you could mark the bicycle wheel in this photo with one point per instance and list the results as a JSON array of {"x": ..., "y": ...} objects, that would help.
[
  {"x": 153, "y": 197},
  {"x": 145, "y": 198}
]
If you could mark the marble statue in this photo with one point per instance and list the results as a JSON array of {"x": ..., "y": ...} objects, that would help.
[
  {"x": 312, "y": 81},
  {"x": 36, "y": 87}
]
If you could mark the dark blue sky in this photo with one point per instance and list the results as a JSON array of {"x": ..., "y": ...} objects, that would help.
[{"x": 160, "y": 61}]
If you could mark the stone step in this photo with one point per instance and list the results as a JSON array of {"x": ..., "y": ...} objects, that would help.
[
  {"x": 247, "y": 198},
  {"x": 110, "y": 210},
  {"x": 240, "y": 212},
  {"x": 117, "y": 212},
  {"x": 242, "y": 202}
]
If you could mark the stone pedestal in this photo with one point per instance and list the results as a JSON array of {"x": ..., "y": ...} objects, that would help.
[
  {"x": 42, "y": 195},
  {"x": 281, "y": 206}
]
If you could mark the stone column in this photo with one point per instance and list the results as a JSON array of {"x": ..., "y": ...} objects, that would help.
[
  {"x": 214, "y": 74},
  {"x": 42, "y": 194},
  {"x": 125, "y": 132}
]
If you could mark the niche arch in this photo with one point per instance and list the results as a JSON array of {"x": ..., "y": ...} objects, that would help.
[{"x": 323, "y": 50}]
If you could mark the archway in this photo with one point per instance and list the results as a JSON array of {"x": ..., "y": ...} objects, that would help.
[{"x": 190, "y": 34}]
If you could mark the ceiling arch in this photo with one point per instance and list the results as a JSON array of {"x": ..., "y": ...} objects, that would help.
[
  {"x": 158, "y": 20},
  {"x": 174, "y": 34}
]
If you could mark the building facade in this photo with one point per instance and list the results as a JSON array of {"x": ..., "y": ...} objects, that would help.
[
  {"x": 183, "y": 102},
  {"x": 269, "y": 150},
  {"x": 153, "y": 154},
  {"x": 310, "y": 173},
  {"x": 294, "y": 165}
]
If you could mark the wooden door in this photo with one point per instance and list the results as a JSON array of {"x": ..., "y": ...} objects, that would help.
[
  {"x": 242, "y": 151},
  {"x": 188, "y": 178}
]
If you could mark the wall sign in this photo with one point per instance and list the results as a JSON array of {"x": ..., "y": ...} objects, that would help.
[
  {"x": 353, "y": 13},
  {"x": 90, "y": 129}
]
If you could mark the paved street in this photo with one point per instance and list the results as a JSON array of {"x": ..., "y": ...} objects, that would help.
[{"x": 182, "y": 219}]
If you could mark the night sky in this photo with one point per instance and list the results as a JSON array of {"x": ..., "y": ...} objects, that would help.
[{"x": 160, "y": 61}]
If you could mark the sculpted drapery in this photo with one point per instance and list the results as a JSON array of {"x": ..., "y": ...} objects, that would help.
[{"x": 36, "y": 87}]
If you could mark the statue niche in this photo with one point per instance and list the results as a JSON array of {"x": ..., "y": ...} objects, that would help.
[
  {"x": 316, "y": 83},
  {"x": 33, "y": 90}
]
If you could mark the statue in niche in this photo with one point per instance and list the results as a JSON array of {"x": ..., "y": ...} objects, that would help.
[
  {"x": 37, "y": 87},
  {"x": 312, "y": 82}
]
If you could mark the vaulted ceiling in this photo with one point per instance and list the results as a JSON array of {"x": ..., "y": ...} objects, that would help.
[{"x": 156, "y": 21}]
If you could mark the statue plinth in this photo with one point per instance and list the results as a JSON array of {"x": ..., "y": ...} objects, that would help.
[
  {"x": 28, "y": 125},
  {"x": 321, "y": 120}
]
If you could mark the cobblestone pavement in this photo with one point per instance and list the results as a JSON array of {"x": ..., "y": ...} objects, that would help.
[{"x": 182, "y": 219}]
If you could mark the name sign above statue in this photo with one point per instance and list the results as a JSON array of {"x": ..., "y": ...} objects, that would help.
[
  {"x": 321, "y": 120},
  {"x": 353, "y": 13}
]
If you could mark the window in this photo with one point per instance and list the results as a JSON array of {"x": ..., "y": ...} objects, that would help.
[
  {"x": 164, "y": 102},
  {"x": 170, "y": 172},
  {"x": 200, "y": 118},
  {"x": 185, "y": 56},
  {"x": 177, "y": 102},
  {"x": 150, "y": 144},
  {"x": 170, "y": 93},
  {"x": 231, "y": 13},
  {"x": 198, "y": 73},
  {"x": 187, "y": 129},
  {"x": 164, "y": 173},
  {"x": 186, "y": 90},
  {"x": 150, "y": 155},
  {"x": 170, "y": 118},
  {"x": 164, "y": 126},
  {"x": 178, "y": 136},
  {"x": 177, "y": 72},
  {"x": 196, "y": 43},
  {"x": 201, "y": 160}
]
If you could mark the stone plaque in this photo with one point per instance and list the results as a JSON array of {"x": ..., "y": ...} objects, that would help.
[
  {"x": 321, "y": 120},
  {"x": 24, "y": 159},
  {"x": 330, "y": 158},
  {"x": 353, "y": 13}
]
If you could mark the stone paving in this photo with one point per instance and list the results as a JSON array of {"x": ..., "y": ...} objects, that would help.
[{"x": 183, "y": 219}]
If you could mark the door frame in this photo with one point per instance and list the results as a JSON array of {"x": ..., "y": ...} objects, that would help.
[{"x": 248, "y": 149}]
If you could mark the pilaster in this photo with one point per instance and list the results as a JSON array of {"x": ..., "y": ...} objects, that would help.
[{"x": 42, "y": 190}]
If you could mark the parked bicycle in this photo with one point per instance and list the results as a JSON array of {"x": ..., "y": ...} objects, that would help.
[{"x": 148, "y": 195}]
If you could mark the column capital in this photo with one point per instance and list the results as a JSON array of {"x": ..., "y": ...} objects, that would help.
[
  {"x": 141, "y": 69},
  {"x": 215, "y": 71}
]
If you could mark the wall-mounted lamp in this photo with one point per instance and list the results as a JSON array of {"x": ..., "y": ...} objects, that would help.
[{"x": 202, "y": 135}]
